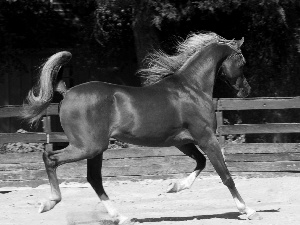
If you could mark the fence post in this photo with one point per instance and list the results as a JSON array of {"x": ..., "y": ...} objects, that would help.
[
  {"x": 47, "y": 130},
  {"x": 219, "y": 117},
  {"x": 221, "y": 138}
]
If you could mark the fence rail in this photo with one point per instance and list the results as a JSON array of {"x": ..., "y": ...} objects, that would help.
[
  {"x": 226, "y": 104},
  {"x": 223, "y": 104}
]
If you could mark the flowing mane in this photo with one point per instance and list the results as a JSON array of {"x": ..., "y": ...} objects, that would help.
[{"x": 161, "y": 65}]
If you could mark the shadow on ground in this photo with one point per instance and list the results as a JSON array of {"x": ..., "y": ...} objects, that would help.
[{"x": 229, "y": 215}]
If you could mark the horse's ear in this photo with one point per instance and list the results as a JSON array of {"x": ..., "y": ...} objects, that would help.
[{"x": 240, "y": 42}]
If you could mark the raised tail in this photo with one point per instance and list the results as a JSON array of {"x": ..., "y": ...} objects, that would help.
[{"x": 40, "y": 96}]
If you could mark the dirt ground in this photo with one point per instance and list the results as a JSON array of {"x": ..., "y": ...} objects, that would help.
[{"x": 208, "y": 202}]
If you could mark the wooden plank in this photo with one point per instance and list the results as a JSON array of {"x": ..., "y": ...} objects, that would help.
[
  {"x": 46, "y": 124},
  {"x": 19, "y": 158},
  {"x": 11, "y": 184},
  {"x": 70, "y": 172},
  {"x": 22, "y": 137},
  {"x": 7, "y": 111},
  {"x": 138, "y": 152},
  {"x": 258, "y": 103},
  {"x": 262, "y": 157},
  {"x": 58, "y": 137},
  {"x": 176, "y": 161},
  {"x": 10, "y": 111},
  {"x": 38, "y": 164},
  {"x": 22, "y": 166},
  {"x": 53, "y": 109},
  {"x": 181, "y": 163},
  {"x": 23, "y": 175},
  {"x": 284, "y": 166},
  {"x": 47, "y": 129},
  {"x": 245, "y": 148},
  {"x": 263, "y": 148},
  {"x": 265, "y": 174},
  {"x": 259, "y": 128},
  {"x": 32, "y": 137},
  {"x": 185, "y": 165},
  {"x": 220, "y": 122}
]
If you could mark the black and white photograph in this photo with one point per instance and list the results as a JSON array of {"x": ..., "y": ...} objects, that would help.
[{"x": 127, "y": 112}]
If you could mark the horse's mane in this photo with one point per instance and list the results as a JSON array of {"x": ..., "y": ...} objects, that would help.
[{"x": 161, "y": 65}]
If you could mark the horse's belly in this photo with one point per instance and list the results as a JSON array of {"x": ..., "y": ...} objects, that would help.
[{"x": 156, "y": 140}]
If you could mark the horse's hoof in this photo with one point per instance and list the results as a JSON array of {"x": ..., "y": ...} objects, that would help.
[
  {"x": 129, "y": 222},
  {"x": 174, "y": 188},
  {"x": 255, "y": 216},
  {"x": 46, "y": 205}
]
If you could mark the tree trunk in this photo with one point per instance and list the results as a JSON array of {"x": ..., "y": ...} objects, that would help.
[{"x": 145, "y": 34}]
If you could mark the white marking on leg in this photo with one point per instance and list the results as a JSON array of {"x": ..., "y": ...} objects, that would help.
[
  {"x": 113, "y": 212},
  {"x": 186, "y": 183},
  {"x": 241, "y": 205},
  {"x": 243, "y": 208}
]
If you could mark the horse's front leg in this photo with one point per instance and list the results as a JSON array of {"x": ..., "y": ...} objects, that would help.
[{"x": 209, "y": 144}]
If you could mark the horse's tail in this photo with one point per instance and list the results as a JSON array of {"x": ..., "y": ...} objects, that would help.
[{"x": 40, "y": 96}]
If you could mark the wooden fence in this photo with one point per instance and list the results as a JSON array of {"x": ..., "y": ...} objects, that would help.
[{"x": 246, "y": 158}]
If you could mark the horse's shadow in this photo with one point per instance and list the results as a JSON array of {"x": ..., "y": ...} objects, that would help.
[{"x": 228, "y": 215}]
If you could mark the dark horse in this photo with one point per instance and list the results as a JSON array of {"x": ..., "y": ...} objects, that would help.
[{"x": 176, "y": 109}]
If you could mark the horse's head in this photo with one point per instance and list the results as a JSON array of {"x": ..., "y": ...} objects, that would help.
[{"x": 232, "y": 70}]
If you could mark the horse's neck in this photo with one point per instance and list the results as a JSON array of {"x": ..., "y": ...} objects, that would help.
[{"x": 200, "y": 71}]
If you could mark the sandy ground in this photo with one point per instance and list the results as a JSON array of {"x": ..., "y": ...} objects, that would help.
[{"x": 208, "y": 202}]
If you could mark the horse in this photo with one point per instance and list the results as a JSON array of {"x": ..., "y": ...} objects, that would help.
[{"x": 174, "y": 108}]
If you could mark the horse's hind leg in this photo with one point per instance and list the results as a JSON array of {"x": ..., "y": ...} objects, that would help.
[
  {"x": 192, "y": 151},
  {"x": 94, "y": 177},
  {"x": 53, "y": 159},
  {"x": 213, "y": 150},
  {"x": 55, "y": 196}
]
